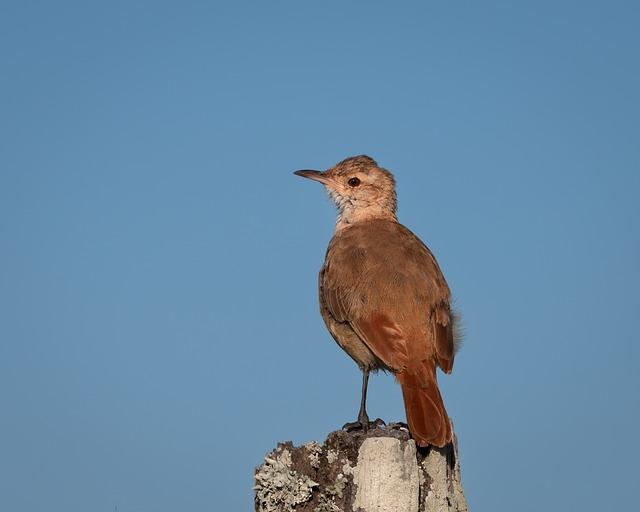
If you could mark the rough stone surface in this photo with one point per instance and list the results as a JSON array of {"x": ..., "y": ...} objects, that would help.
[
  {"x": 386, "y": 476},
  {"x": 380, "y": 471}
]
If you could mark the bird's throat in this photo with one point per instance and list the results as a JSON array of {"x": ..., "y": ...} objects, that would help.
[{"x": 350, "y": 214}]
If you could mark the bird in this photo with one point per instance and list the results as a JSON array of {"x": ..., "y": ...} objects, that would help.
[{"x": 383, "y": 297}]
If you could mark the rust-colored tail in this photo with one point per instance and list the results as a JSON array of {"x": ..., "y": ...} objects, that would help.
[{"x": 426, "y": 415}]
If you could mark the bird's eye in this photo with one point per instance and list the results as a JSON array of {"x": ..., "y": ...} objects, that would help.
[{"x": 353, "y": 182}]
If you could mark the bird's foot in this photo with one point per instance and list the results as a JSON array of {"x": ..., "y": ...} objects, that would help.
[{"x": 363, "y": 425}]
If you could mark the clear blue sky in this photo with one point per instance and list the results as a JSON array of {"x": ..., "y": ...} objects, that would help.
[{"x": 159, "y": 326}]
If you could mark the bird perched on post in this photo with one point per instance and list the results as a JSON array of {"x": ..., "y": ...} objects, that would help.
[{"x": 383, "y": 297}]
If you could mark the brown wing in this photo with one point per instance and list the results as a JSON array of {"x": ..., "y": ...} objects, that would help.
[
  {"x": 382, "y": 280},
  {"x": 385, "y": 339}
]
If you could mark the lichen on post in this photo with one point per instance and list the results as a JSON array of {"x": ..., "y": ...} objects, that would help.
[{"x": 381, "y": 470}]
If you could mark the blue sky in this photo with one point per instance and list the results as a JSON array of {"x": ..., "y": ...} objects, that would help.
[{"x": 159, "y": 323}]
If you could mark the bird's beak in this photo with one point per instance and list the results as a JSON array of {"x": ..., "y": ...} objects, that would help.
[{"x": 313, "y": 175}]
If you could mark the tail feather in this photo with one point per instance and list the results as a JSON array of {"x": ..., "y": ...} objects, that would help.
[{"x": 427, "y": 418}]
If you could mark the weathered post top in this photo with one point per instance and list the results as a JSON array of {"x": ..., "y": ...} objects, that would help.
[{"x": 379, "y": 471}]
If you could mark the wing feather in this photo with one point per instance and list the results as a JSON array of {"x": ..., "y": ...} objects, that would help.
[{"x": 385, "y": 339}]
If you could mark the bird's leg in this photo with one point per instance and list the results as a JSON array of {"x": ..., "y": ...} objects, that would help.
[{"x": 363, "y": 418}]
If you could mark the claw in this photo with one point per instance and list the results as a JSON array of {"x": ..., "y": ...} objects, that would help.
[
  {"x": 363, "y": 425},
  {"x": 354, "y": 425}
]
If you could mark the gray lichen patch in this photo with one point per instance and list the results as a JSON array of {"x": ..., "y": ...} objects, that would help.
[
  {"x": 326, "y": 504},
  {"x": 315, "y": 450},
  {"x": 347, "y": 468},
  {"x": 338, "y": 487},
  {"x": 278, "y": 488},
  {"x": 327, "y": 500}
]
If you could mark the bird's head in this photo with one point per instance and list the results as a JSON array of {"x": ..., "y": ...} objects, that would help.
[{"x": 360, "y": 189}]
